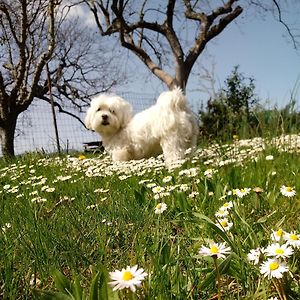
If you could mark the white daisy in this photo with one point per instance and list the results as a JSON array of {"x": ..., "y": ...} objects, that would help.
[
  {"x": 193, "y": 195},
  {"x": 273, "y": 268},
  {"x": 254, "y": 255},
  {"x": 158, "y": 189},
  {"x": 209, "y": 173},
  {"x": 215, "y": 250},
  {"x": 39, "y": 200},
  {"x": 269, "y": 157},
  {"x": 222, "y": 213},
  {"x": 288, "y": 191},
  {"x": 292, "y": 239},
  {"x": 131, "y": 277},
  {"x": 227, "y": 205},
  {"x": 242, "y": 192},
  {"x": 277, "y": 235},
  {"x": 5, "y": 227},
  {"x": 160, "y": 208},
  {"x": 279, "y": 251},
  {"x": 224, "y": 224},
  {"x": 167, "y": 179}
]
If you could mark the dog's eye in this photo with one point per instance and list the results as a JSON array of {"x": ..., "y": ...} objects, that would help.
[
  {"x": 112, "y": 111},
  {"x": 99, "y": 108}
]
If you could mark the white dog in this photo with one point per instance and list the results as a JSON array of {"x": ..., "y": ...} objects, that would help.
[{"x": 167, "y": 127}]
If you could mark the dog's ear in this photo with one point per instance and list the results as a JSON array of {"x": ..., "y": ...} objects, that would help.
[
  {"x": 88, "y": 118},
  {"x": 126, "y": 111}
]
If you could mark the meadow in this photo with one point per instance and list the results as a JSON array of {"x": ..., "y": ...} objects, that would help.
[{"x": 222, "y": 225}]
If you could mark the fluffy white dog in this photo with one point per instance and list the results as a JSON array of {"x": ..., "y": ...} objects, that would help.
[{"x": 167, "y": 127}]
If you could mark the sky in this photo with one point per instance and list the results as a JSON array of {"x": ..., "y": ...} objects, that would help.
[
  {"x": 264, "y": 52},
  {"x": 260, "y": 45}
]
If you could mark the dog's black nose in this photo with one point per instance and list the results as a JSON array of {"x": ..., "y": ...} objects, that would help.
[{"x": 104, "y": 117}]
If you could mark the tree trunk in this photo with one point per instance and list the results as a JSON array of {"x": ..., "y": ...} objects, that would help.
[{"x": 7, "y": 133}]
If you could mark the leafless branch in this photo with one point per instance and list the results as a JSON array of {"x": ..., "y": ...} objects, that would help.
[
  {"x": 285, "y": 24},
  {"x": 62, "y": 110}
]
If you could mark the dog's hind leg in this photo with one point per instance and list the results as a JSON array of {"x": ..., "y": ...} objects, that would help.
[{"x": 174, "y": 149}]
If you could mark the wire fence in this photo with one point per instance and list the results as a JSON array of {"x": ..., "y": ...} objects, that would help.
[{"x": 36, "y": 132}]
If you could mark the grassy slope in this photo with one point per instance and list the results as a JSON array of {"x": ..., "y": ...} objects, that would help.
[{"x": 100, "y": 214}]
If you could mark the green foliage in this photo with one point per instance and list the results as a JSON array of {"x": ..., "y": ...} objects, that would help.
[
  {"x": 68, "y": 290},
  {"x": 232, "y": 110},
  {"x": 236, "y": 111}
]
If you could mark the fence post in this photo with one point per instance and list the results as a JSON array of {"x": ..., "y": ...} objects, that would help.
[{"x": 53, "y": 109}]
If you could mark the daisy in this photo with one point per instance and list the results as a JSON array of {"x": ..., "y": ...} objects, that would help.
[
  {"x": 208, "y": 173},
  {"x": 277, "y": 235},
  {"x": 221, "y": 213},
  {"x": 224, "y": 224},
  {"x": 215, "y": 250},
  {"x": 127, "y": 278},
  {"x": 167, "y": 179},
  {"x": 273, "y": 268},
  {"x": 287, "y": 191},
  {"x": 279, "y": 251},
  {"x": 6, "y": 226},
  {"x": 227, "y": 205},
  {"x": 254, "y": 255},
  {"x": 269, "y": 157},
  {"x": 158, "y": 189},
  {"x": 292, "y": 239},
  {"x": 193, "y": 195},
  {"x": 242, "y": 192},
  {"x": 39, "y": 200},
  {"x": 160, "y": 208}
]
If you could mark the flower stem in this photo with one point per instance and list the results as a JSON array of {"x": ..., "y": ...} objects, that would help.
[
  {"x": 218, "y": 277},
  {"x": 280, "y": 290}
]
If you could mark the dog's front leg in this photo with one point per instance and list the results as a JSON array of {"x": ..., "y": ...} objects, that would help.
[{"x": 121, "y": 154}]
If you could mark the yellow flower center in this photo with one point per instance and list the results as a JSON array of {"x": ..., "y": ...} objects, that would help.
[
  {"x": 288, "y": 189},
  {"x": 127, "y": 275},
  {"x": 279, "y": 251},
  {"x": 214, "y": 249},
  {"x": 81, "y": 157},
  {"x": 158, "y": 206},
  {"x": 273, "y": 266},
  {"x": 224, "y": 223},
  {"x": 294, "y": 237},
  {"x": 279, "y": 232},
  {"x": 226, "y": 204}
]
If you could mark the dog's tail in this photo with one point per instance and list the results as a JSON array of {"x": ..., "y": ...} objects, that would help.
[{"x": 174, "y": 99}]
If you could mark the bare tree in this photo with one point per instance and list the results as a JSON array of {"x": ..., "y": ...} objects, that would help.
[
  {"x": 32, "y": 35},
  {"x": 157, "y": 30}
]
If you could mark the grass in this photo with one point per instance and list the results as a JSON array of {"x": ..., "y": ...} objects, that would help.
[{"x": 67, "y": 221}]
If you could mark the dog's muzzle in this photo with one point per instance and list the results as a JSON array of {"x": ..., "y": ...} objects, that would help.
[{"x": 105, "y": 120}]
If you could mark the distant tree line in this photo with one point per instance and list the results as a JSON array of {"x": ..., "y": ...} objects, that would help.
[{"x": 236, "y": 111}]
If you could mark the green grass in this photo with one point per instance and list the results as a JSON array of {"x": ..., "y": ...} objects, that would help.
[{"x": 86, "y": 217}]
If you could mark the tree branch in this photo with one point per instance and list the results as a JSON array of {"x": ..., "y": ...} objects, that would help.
[
  {"x": 61, "y": 110},
  {"x": 47, "y": 54},
  {"x": 208, "y": 30},
  {"x": 284, "y": 24}
]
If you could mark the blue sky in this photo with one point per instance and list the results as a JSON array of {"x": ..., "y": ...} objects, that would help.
[{"x": 262, "y": 49}]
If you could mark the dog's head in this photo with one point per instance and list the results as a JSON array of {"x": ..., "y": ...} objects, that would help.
[{"x": 108, "y": 114}]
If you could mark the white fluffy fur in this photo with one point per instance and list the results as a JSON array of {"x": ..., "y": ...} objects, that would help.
[{"x": 167, "y": 127}]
